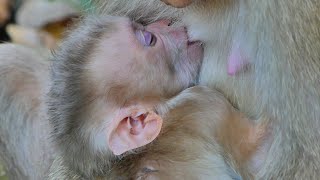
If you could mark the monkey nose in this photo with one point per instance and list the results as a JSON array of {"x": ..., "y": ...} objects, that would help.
[
  {"x": 179, "y": 34},
  {"x": 164, "y": 22},
  {"x": 161, "y": 24}
]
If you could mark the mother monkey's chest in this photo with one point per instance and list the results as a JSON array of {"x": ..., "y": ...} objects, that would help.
[{"x": 230, "y": 49}]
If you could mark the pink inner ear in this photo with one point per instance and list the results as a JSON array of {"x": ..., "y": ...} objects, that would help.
[
  {"x": 137, "y": 124},
  {"x": 133, "y": 132},
  {"x": 237, "y": 62}
]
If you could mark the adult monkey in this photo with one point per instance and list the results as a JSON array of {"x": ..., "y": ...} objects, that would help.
[{"x": 279, "y": 43}]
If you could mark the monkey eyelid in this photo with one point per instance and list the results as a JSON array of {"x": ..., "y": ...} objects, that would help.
[{"x": 148, "y": 170}]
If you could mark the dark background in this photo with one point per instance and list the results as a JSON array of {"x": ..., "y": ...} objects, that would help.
[{"x": 3, "y": 35}]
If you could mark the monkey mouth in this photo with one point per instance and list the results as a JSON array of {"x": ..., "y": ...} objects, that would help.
[
  {"x": 191, "y": 43},
  {"x": 195, "y": 50},
  {"x": 194, "y": 43}
]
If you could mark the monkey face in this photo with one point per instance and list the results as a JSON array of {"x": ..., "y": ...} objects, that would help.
[
  {"x": 136, "y": 60},
  {"x": 133, "y": 67}
]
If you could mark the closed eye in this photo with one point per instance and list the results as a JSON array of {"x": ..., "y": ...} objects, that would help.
[{"x": 146, "y": 38}]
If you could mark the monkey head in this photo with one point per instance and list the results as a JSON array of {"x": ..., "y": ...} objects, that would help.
[{"x": 106, "y": 79}]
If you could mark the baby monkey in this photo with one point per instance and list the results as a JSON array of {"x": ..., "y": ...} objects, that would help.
[
  {"x": 116, "y": 111},
  {"x": 107, "y": 78},
  {"x": 202, "y": 137}
]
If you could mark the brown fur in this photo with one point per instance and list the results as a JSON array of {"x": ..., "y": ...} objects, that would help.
[{"x": 194, "y": 143}]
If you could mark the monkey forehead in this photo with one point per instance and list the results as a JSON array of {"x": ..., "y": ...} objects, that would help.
[{"x": 113, "y": 61}]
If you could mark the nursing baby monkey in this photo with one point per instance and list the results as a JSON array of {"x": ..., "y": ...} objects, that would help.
[
  {"x": 107, "y": 78},
  {"x": 117, "y": 115},
  {"x": 264, "y": 57},
  {"x": 121, "y": 115}
]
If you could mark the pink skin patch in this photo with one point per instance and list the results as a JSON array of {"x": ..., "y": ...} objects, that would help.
[{"x": 237, "y": 62}]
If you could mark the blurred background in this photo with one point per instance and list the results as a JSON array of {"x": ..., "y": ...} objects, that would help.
[{"x": 39, "y": 24}]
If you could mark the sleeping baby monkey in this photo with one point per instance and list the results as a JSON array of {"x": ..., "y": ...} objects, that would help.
[
  {"x": 202, "y": 137},
  {"x": 115, "y": 115}
]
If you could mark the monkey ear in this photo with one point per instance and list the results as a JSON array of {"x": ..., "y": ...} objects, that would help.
[{"x": 134, "y": 131}]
